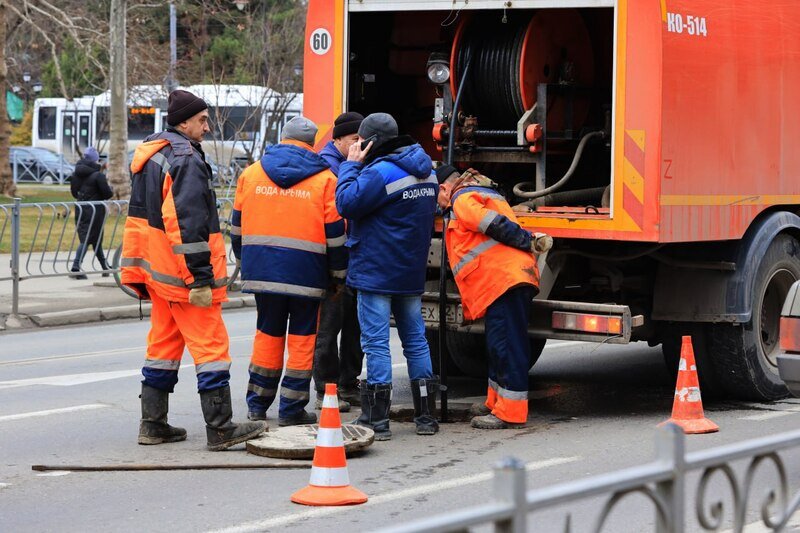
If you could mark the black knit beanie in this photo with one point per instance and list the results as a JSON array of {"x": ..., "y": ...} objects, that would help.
[
  {"x": 183, "y": 105},
  {"x": 444, "y": 171},
  {"x": 346, "y": 124}
]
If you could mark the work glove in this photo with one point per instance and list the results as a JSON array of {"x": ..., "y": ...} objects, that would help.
[
  {"x": 200, "y": 296},
  {"x": 541, "y": 242}
]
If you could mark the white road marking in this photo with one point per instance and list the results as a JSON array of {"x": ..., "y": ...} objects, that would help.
[
  {"x": 34, "y": 414},
  {"x": 69, "y": 380},
  {"x": 415, "y": 491},
  {"x": 4, "y": 485},
  {"x": 55, "y": 473},
  {"x": 97, "y": 353},
  {"x": 771, "y": 414},
  {"x": 566, "y": 344}
]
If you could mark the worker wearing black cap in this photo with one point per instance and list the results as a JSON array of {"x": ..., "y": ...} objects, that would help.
[
  {"x": 339, "y": 364},
  {"x": 174, "y": 255}
]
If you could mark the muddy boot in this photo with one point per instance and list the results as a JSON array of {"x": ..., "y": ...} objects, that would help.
[
  {"x": 344, "y": 406},
  {"x": 350, "y": 395},
  {"x": 375, "y": 403},
  {"x": 492, "y": 422},
  {"x": 424, "y": 392},
  {"x": 220, "y": 431},
  {"x": 153, "y": 428},
  {"x": 301, "y": 418},
  {"x": 479, "y": 409}
]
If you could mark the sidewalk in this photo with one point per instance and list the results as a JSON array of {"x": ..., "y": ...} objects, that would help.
[{"x": 62, "y": 300}]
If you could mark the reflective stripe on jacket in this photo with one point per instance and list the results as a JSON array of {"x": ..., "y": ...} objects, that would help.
[
  {"x": 172, "y": 241},
  {"x": 286, "y": 229},
  {"x": 489, "y": 252}
]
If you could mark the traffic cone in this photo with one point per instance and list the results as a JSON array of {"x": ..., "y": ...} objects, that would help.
[
  {"x": 687, "y": 409},
  {"x": 330, "y": 483}
]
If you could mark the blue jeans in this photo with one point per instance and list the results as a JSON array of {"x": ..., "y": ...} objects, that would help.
[{"x": 373, "y": 315}]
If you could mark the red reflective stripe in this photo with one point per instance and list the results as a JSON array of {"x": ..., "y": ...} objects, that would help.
[
  {"x": 325, "y": 457},
  {"x": 329, "y": 418}
]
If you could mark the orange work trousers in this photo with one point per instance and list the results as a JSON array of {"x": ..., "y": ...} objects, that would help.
[{"x": 175, "y": 326}]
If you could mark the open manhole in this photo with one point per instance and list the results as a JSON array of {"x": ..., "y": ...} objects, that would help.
[{"x": 298, "y": 442}]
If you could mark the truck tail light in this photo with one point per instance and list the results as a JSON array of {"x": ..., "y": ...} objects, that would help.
[{"x": 588, "y": 323}]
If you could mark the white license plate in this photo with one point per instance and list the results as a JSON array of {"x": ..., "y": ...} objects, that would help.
[{"x": 453, "y": 314}]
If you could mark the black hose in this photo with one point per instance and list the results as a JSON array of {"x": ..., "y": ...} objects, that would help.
[
  {"x": 519, "y": 188},
  {"x": 443, "y": 265}
]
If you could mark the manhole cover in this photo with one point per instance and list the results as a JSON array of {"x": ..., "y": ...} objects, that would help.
[{"x": 298, "y": 442}]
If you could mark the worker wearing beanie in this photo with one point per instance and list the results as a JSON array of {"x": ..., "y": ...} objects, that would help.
[
  {"x": 173, "y": 255},
  {"x": 338, "y": 361},
  {"x": 89, "y": 184},
  {"x": 387, "y": 190},
  {"x": 290, "y": 240}
]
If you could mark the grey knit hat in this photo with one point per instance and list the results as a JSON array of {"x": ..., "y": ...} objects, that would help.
[
  {"x": 381, "y": 126},
  {"x": 300, "y": 129}
]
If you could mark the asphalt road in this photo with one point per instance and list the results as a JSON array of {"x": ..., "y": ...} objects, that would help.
[{"x": 69, "y": 396}]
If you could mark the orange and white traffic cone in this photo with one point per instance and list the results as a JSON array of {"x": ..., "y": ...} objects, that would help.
[
  {"x": 330, "y": 482},
  {"x": 687, "y": 409}
]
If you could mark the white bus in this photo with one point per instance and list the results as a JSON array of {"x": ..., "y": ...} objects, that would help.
[
  {"x": 62, "y": 125},
  {"x": 244, "y": 119}
]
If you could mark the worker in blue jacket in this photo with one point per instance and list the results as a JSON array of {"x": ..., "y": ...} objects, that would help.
[{"x": 386, "y": 188}]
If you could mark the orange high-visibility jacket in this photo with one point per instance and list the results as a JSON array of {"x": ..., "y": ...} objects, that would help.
[
  {"x": 489, "y": 252},
  {"x": 172, "y": 241},
  {"x": 285, "y": 227}
]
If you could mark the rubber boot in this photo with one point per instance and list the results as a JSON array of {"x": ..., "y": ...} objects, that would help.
[
  {"x": 153, "y": 428},
  {"x": 344, "y": 405},
  {"x": 350, "y": 395},
  {"x": 424, "y": 392},
  {"x": 375, "y": 403},
  {"x": 218, "y": 412}
]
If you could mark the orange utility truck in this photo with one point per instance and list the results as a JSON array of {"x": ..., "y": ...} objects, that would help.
[{"x": 650, "y": 138}]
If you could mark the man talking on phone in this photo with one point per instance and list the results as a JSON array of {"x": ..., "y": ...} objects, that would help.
[{"x": 386, "y": 189}]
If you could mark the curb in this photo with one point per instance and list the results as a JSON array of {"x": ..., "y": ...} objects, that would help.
[{"x": 96, "y": 314}]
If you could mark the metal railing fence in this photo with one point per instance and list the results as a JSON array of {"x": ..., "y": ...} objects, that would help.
[
  {"x": 43, "y": 239},
  {"x": 26, "y": 168},
  {"x": 662, "y": 482}
]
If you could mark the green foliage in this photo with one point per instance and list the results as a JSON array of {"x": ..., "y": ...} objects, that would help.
[
  {"x": 21, "y": 134},
  {"x": 80, "y": 75}
]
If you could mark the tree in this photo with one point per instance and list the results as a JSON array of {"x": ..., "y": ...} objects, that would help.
[
  {"x": 118, "y": 175},
  {"x": 7, "y": 186}
]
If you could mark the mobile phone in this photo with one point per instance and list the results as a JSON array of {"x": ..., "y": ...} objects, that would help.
[{"x": 368, "y": 140}]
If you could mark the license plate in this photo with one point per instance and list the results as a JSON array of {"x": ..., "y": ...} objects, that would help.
[{"x": 453, "y": 314}]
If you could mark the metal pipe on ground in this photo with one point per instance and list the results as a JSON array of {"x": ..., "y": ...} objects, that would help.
[{"x": 149, "y": 467}]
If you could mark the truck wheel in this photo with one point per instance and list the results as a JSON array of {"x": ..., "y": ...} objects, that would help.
[
  {"x": 468, "y": 352},
  {"x": 746, "y": 354},
  {"x": 672, "y": 339}
]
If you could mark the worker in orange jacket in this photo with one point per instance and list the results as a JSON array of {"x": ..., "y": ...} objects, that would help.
[
  {"x": 492, "y": 260},
  {"x": 290, "y": 240},
  {"x": 173, "y": 255}
]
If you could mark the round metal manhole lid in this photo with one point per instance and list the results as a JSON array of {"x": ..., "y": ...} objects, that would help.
[{"x": 298, "y": 442}]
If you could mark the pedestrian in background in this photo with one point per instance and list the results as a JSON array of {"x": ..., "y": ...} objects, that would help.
[
  {"x": 89, "y": 184},
  {"x": 386, "y": 189},
  {"x": 174, "y": 255},
  {"x": 290, "y": 240},
  {"x": 492, "y": 261},
  {"x": 340, "y": 364}
]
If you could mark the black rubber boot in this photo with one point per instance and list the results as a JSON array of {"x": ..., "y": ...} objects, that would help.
[
  {"x": 218, "y": 412},
  {"x": 300, "y": 419},
  {"x": 425, "y": 406},
  {"x": 375, "y": 403},
  {"x": 153, "y": 428}
]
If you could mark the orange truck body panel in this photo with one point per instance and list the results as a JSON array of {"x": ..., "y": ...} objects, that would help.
[{"x": 703, "y": 116}]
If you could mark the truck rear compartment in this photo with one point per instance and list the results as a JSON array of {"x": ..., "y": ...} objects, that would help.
[{"x": 517, "y": 59}]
